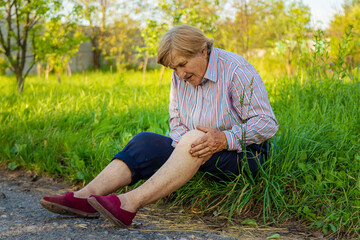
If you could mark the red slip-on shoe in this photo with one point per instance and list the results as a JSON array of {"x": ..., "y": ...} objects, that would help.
[
  {"x": 69, "y": 205},
  {"x": 109, "y": 206}
]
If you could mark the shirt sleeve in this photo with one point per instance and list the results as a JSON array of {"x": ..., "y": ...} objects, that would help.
[
  {"x": 255, "y": 120},
  {"x": 177, "y": 128}
]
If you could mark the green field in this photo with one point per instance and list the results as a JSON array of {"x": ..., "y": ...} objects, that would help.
[{"x": 74, "y": 128}]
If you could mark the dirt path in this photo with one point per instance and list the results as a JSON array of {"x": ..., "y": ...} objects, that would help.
[{"x": 22, "y": 217}]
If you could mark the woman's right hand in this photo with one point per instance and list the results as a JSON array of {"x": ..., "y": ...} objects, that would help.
[{"x": 213, "y": 141}]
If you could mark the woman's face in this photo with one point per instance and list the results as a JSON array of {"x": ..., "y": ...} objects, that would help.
[{"x": 193, "y": 69}]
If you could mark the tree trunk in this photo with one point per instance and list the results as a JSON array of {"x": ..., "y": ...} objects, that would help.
[
  {"x": 58, "y": 75},
  {"x": 39, "y": 69},
  {"x": 144, "y": 67},
  {"x": 68, "y": 68},
  {"x": 20, "y": 82},
  {"x": 96, "y": 58},
  {"x": 95, "y": 52},
  {"x": 118, "y": 65},
  {"x": 47, "y": 71}
]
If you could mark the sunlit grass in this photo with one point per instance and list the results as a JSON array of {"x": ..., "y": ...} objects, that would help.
[
  {"x": 315, "y": 172},
  {"x": 74, "y": 128}
]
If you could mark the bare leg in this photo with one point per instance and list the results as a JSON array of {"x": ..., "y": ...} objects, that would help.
[
  {"x": 113, "y": 177},
  {"x": 176, "y": 171}
]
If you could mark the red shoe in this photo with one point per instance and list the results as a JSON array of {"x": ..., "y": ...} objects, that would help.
[
  {"x": 69, "y": 205},
  {"x": 109, "y": 206}
]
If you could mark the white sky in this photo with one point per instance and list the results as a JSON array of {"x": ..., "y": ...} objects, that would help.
[{"x": 323, "y": 10}]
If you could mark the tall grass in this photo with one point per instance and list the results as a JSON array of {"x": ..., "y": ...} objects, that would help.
[
  {"x": 315, "y": 173},
  {"x": 73, "y": 129}
]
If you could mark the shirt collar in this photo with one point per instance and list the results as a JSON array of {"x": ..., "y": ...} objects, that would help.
[{"x": 211, "y": 71}]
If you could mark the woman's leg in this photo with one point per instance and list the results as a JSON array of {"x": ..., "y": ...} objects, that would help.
[
  {"x": 176, "y": 171},
  {"x": 141, "y": 157},
  {"x": 113, "y": 177}
]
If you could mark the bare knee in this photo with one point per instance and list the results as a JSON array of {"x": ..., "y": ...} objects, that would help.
[
  {"x": 184, "y": 146},
  {"x": 188, "y": 138}
]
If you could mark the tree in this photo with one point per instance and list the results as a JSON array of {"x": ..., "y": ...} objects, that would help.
[
  {"x": 23, "y": 22},
  {"x": 151, "y": 35},
  {"x": 200, "y": 13},
  {"x": 119, "y": 43},
  {"x": 295, "y": 33},
  {"x": 59, "y": 42},
  {"x": 98, "y": 24},
  {"x": 264, "y": 25},
  {"x": 339, "y": 27},
  {"x": 245, "y": 31}
]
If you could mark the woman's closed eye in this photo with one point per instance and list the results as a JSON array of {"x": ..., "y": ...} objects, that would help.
[{"x": 182, "y": 64}]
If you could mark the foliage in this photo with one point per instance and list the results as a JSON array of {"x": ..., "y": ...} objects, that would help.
[
  {"x": 245, "y": 31},
  {"x": 266, "y": 26},
  {"x": 96, "y": 13},
  {"x": 199, "y": 13},
  {"x": 318, "y": 63},
  {"x": 342, "y": 22},
  {"x": 59, "y": 41},
  {"x": 23, "y": 23},
  {"x": 202, "y": 14},
  {"x": 120, "y": 42},
  {"x": 151, "y": 35},
  {"x": 4, "y": 65},
  {"x": 112, "y": 31}
]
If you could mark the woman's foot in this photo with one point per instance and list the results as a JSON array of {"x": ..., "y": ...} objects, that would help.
[
  {"x": 69, "y": 205},
  {"x": 109, "y": 206}
]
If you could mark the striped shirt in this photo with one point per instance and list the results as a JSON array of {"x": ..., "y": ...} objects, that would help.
[{"x": 231, "y": 98}]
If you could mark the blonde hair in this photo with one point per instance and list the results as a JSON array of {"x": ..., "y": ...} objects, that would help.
[{"x": 183, "y": 41}]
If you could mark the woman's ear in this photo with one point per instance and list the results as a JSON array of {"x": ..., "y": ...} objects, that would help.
[{"x": 204, "y": 52}]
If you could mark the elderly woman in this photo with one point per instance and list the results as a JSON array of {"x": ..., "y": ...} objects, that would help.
[{"x": 220, "y": 116}]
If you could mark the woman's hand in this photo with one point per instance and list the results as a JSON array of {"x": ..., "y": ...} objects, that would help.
[{"x": 213, "y": 141}]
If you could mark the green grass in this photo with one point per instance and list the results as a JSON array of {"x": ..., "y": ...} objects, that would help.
[
  {"x": 315, "y": 173},
  {"x": 74, "y": 128}
]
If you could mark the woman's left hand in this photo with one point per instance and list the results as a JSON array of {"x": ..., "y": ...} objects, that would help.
[{"x": 213, "y": 141}]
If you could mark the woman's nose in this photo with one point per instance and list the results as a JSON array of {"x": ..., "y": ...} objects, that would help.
[{"x": 181, "y": 74}]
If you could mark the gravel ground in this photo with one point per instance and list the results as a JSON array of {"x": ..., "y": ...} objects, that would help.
[{"x": 22, "y": 217}]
